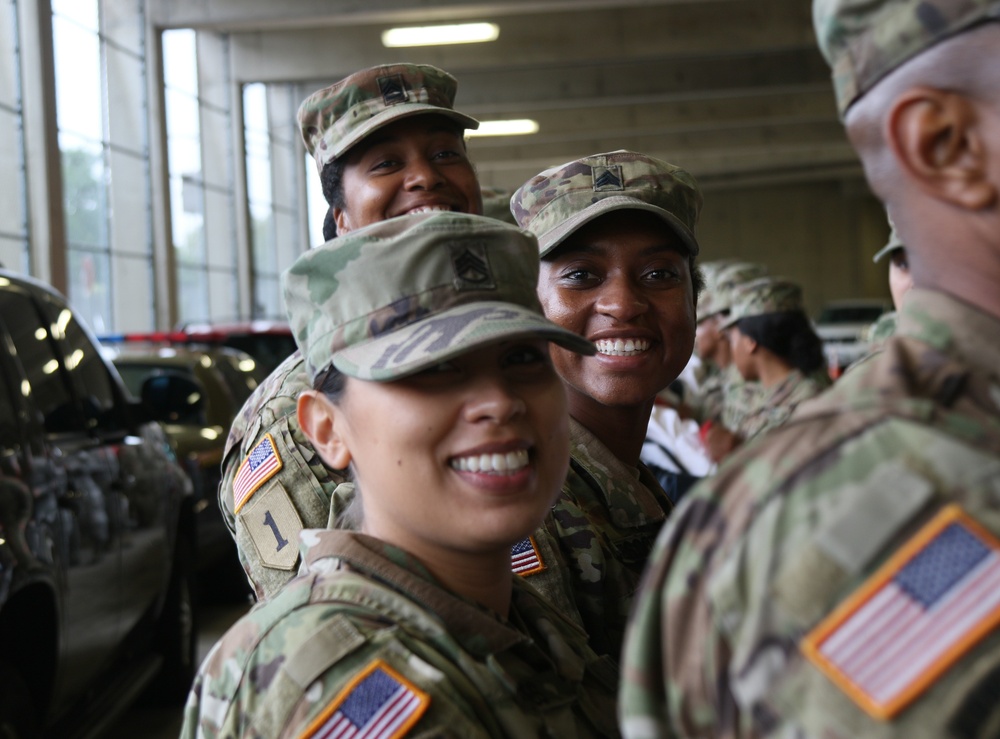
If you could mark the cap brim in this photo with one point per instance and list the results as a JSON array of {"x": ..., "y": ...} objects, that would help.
[
  {"x": 449, "y": 334},
  {"x": 552, "y": 238},
  {"x": 392, "y": 114},
  {"x": 886, "y": 251}
]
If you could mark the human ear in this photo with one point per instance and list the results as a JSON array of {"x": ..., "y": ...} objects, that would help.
[
  {"x": 342, "y": 220},
  {"x": 318, "y": 419},
  {"x": 936, "y": 136}
]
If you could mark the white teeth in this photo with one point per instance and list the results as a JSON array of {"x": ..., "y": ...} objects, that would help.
[
  {"x": 492, "y": 464},
  {"x": 621, "y": 347},
  {"x": 431, "y": 209}
]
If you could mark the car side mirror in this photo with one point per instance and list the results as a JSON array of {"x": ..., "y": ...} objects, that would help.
[{"x": 172, "y": 398}]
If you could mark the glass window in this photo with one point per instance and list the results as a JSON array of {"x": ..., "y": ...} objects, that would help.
[
  {"x": 45, "y": 382},
  {"x": 13, "y": 205}
]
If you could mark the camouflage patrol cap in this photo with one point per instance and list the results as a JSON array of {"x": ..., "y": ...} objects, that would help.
[
  {"x": 555, "y": 203},
  {"x": 404, "y": 294},
  {"x": 727, "y": 282},
  {"x": 762, "y": 296},
  {"x": 334, "y": 119},
  {"x": 864, "y": 40}
]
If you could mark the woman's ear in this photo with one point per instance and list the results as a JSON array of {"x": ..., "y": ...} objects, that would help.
[
  {"x": 937, "y": 137},
  {"x": 342, "y": 220},
  {"x": 318, "y": 418}
]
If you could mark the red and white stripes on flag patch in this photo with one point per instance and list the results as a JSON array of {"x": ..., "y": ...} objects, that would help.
[
  {"x": 915, "y": 617},
  {"x": 262, "y": 463}
]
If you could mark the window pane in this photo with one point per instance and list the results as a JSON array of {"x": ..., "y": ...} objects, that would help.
[
  {"x": 133, "y": 293},
  {"x": 130, "y": 227},
  {"x": 126, "y": 98},
  {"x": 315, "y": 203},
  {"x": 265, "y": 259},
  {"x": 268, "y": 302},
  {"x": 220, "y": 237},
  {"x": 180, "y": 62},
  {"x": 11, "y": 175},
  {"x": 222, "y": 294},
  {"x": 13, "y": 254},
  {"x": 186, "y": 206},
  {"x": 81, "y": 12},
  {"x": 78, "y": 79},
  {"x": 90, "y": 288},
  {"x": 9, "y": 62},
  {"x": 193, "y": 291},
  {"x": 84, "y": 192},
  {"x": 255, "y": 108}
]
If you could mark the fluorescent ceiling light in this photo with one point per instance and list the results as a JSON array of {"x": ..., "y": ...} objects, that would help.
[
  {"x": 515, "y": 127},
  {"x": 459, "y": 33}
]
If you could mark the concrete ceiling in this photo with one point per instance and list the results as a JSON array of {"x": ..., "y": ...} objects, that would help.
[{"x": 733, "y": 90}]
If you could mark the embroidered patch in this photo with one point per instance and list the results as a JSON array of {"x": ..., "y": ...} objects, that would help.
[
  {"x": 393, "y": 89},
  {"x": 608, "y": 178},
  {"x": 262, "y": 463},
  {"x": 914, "y": 618},
  {"x": 525, "y": 558},
  {"x": 472, "y": 267},
  {"x": 377, "y": 704}
]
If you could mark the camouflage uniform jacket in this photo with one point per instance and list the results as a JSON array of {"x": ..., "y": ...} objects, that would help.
[
  {"x": 366, "y": 634},
  {"x": 294, "y": 494},
  {"x": 595, "y": 542},
  {"x": 777, "y": 403},
  {"x": 740, "y": 398},
  {"x": 706, "y": 402},
  {"x": 795, "y": 524}
]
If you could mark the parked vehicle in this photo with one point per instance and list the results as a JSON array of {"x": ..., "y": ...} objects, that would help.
[
  {"x": 270, "y": 342},
  {"x": 224, "y": 378},
  {"x": 841, "y": 326},
  {"x": 96, "y": 528}
]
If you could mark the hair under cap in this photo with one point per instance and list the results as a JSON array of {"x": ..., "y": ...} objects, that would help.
[
  {"x": 555, "y": 203},
  {"x": 401, "y": 295},
  {"x": 334, "y": 119},
  {"x": 864, "y": 40}
]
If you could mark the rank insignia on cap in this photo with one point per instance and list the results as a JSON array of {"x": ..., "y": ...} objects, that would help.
[
  {"x": 608, "y": 178},
  {"x": 472, "y": 267},
  {"x": 393, "y": 89},
  {"x": 525, "y": 558},
  {"x": 914, "y": 618},
  {"x": 377, "y": 704},
  {"x": 261, "y": 464}
]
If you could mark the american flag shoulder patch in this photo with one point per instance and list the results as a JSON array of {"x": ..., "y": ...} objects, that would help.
[
  {"x": 262, "y": 463},
  {"x": 525, "y": 559},
  {"x": 378, "y": 703},
  {"x": 930, "y": 603}
]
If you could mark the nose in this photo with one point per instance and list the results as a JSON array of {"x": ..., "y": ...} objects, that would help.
[
  {"x": 621, "y": 298},
  {"x": 492, "y": 399},
  {"x": 421, "y": 174}
]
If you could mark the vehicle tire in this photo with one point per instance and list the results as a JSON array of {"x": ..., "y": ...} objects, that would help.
[
  {"x": 177, "y": 630},
  {"x": 17, "y": 709}
]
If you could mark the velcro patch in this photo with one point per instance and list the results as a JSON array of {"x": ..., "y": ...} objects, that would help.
[
  {"x": 608, "y": 178},
  {"x": 378, "y": 703},
  {"x": 930, "y": 603},
  {"x": 393, "y": 89},
  {"x": 472, "y": 267},
  {"x": 262, "y": 463},
  {"x": 525, "y": 559}
]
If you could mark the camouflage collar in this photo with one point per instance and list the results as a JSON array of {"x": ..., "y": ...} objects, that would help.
[
  {"x": 951, "y": 325},
  {"x": 477, "y": 629}
]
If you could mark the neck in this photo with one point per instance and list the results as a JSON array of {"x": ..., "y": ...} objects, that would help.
[
  {"x": 972, "y": 282},
  {"x": 772, "y": 370},
  {"x": 622, "y": 429}
]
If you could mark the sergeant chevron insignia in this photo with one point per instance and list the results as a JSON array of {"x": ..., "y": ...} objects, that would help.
[
  {"x": 393, "y": 89},
  {"x": 608, "y": 178},
  {"x": 472, "y": 268}
]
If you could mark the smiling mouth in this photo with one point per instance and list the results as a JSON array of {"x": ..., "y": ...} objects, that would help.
[
  {"x": 621, "y": 347},
  {"x": 492, "y": 464},
  {"x": 430, "y": 209}
]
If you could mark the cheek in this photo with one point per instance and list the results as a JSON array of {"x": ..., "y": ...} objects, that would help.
[{"x": 559, "y": 307}]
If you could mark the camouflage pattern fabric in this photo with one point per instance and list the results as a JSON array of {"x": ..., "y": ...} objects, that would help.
[
  {"x": 796, "y": 521},
  {"x": 334, "y": 119},
  {"x": 777, "y": 403},
  {"x": 881, "y": 329},
  {"x": 597, "y": 538},
  {"x": 740, "y": 398},
  {"x": 302, "y": 489},
  {"x": 863, "y": 41},
  {"x": 555, "y": 203},
  {"x": 762, "y": 296},
  {"x": 298, "y": 662}
]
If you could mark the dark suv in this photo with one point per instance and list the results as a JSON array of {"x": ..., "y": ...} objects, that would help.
[{"x": 96, "y": 590}]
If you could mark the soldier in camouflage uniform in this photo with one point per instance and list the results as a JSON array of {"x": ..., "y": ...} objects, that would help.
[
  {"x": 427, "y": 328},
  {"x": 593, "y": 218},
  {"x": 839, "y": 578},
  {"x": 413, "y": 102},
  {"x": 786, "y": 375},
  {"x": 900, "y": 282}
]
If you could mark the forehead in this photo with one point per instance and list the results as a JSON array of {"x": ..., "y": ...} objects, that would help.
[{"x": 621, "y": 233}]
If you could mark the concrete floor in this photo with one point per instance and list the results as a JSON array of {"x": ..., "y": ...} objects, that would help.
[{"x": 161, "y": 723}]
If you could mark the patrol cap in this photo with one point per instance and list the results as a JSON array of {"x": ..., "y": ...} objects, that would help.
[
  {"x": 891, "y": 245},
  {"x": 496, "y": 204},
  {"x": 727, "y": 281},
  {"x": 762, "y": 296},
  {"x": 334, "y": 119},
  {"x": 555, "y": 203},
  {"x": 864, "y": 40},
  {"x": 398, "y": 296}
]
